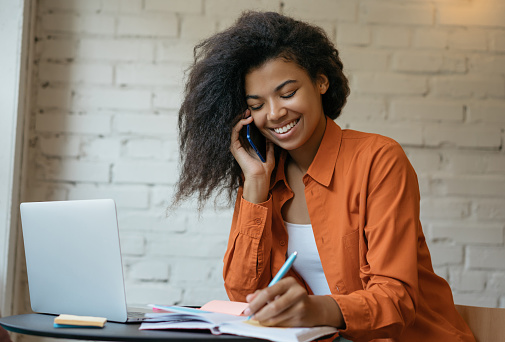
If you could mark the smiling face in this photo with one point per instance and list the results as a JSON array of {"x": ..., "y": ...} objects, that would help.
[{"x": 286, "y": 104}]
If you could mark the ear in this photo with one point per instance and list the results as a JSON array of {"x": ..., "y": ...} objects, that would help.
[{"x": 322, "y": 83}]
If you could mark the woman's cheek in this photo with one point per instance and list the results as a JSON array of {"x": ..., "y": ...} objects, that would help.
[{"x": 259, "y": 120}]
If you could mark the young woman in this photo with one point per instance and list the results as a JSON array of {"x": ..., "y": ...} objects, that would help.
[{"x": 347, "y": 201}]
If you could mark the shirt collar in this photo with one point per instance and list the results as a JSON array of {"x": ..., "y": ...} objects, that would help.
[{"x": 323, "y": 165}]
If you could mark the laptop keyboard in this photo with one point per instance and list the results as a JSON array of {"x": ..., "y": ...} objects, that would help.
[{"x": 135, "y": 314}]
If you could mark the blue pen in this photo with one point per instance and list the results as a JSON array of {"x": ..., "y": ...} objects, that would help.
[{"x": 282, "y": 272}]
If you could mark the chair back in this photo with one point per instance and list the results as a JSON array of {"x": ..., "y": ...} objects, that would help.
[{"x": 487, "y": 324}]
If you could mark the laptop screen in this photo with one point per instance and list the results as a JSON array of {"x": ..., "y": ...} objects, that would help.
[{"x": 73, "y": 258}]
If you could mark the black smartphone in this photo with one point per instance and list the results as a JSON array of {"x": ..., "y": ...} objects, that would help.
[{"x": 257, "y": 141}]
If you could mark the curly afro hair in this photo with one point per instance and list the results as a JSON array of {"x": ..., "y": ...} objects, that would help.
[{"x": 214, "y": 97}]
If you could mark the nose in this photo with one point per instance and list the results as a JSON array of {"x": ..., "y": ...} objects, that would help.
[{"x": 276, "y": 111}]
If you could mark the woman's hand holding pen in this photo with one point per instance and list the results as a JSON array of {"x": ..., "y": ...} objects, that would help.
[
  {"x": 256, "y": 173},
  {"x": 287, "y": 304}
]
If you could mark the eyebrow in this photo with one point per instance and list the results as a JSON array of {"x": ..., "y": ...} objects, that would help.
[{"x": 279, "y": 87}]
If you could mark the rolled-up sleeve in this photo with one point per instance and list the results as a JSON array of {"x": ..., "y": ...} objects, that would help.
[{"x": 247, "y": 258}]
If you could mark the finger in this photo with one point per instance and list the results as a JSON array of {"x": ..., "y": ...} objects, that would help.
[
  {"x": 291, "y": 312},
  {"x": 242, "y": 122},
  {"x": 256, "y": 301},
  {"x": 270, "y": 155},
  {"x": 250, "y": 297},
  {"x": 275, "y": 308},
  {"x": 291, "y": 293},
  {"x": 267, "y": 295},
  {"x": 235, "y": 141},
  {"x": 287, "y": 318}
]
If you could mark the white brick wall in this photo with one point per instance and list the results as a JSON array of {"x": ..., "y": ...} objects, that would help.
[{"x": 108, "y": 78}]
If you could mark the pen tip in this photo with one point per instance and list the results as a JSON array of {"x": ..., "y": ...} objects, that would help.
[{"x": 295, "y": 253}]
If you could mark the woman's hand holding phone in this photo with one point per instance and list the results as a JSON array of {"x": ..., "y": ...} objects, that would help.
[
  {"x": 257, "y": 141},
  {"x": 256, "y": 173}
]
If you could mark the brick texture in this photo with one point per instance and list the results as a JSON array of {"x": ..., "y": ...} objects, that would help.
[{"x": 107, "y": 84}]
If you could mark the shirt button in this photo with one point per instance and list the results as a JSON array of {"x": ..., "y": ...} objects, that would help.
[
  {"x": 282, "y": 242},
  {"x": 257, "y": 221}
]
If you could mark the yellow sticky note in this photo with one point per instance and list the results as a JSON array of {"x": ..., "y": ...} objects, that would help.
[{"x": 85, "y": 321}]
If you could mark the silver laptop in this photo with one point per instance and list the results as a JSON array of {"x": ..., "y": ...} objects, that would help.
[{"x": 73, "y": 259}]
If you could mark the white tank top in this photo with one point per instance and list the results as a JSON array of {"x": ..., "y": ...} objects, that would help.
[{"x": 308, "y": 263}]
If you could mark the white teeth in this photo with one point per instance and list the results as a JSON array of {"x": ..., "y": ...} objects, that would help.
[{"x": 285, "y": 128}]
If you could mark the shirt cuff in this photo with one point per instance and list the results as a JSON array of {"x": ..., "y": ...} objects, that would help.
[
  {"x": 354, "y": 309},
  {"x": 253, "y": 217}
]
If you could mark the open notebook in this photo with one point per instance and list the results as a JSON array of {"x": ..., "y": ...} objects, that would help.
[{"x": 175, "y": 317}]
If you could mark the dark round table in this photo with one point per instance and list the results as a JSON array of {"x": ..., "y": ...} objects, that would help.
[{"x": 42, "y": 325}]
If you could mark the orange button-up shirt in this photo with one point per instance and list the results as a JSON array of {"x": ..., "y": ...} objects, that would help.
[{"x": 363, "y": 197}]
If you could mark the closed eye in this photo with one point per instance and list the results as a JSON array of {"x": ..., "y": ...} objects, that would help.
[
  {"x": 289, "y": 95},
  {"x": 257, "y": 107}
]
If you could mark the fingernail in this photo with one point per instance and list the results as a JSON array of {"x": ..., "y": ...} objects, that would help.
[{"x": 247, "y": 312}]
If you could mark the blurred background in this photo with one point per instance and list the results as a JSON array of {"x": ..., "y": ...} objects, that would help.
[{"x": 105, "y": 79}]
